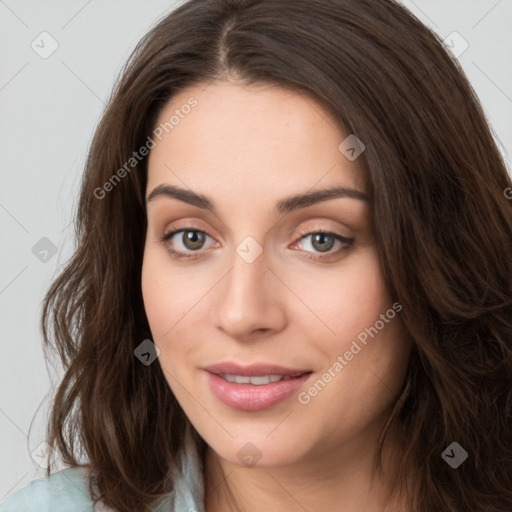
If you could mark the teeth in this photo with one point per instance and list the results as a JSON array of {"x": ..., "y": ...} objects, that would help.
[{"x": 256, "y": 380}]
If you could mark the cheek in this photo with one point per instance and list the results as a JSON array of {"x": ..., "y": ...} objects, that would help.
[
  {"x": 354, "y": 314},
  {"x": 169, "y": 294},
  {"x": 157, "y": 302},
  {"x": 164, "y": 308},
  {"x": 371, "y": 334},
  {"x": 360, "y": 381},
  {"x": 343, "y": 301},
  {"x": 176, "y": 302}
]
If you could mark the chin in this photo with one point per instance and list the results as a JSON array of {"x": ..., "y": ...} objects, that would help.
[{"x": 258, "y": 451}]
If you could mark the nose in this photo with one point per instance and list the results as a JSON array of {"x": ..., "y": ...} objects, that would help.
[{"x": 250, "y": 300}]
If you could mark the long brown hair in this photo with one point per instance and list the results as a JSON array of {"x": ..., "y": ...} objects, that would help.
[{"x": 442, "y": 222}]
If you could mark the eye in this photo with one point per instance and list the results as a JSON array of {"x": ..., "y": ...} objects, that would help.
[
  {"x": 322, "y": 243},
  {"x": 188, "y": 242},
  {"x": 181, "y": 243}
]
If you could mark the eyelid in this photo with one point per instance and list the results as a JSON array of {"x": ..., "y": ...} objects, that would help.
[{"x": 313, "y": 230}]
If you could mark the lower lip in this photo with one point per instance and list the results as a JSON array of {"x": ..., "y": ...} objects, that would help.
[{"x": 248, "y": 397}]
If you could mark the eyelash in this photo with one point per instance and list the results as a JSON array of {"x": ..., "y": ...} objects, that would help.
[{"x": 192, "y": 255}]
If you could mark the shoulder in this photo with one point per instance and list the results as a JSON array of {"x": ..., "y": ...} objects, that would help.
[{"x": 64, "y": 491}]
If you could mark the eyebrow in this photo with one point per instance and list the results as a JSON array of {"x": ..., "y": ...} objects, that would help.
[{"x": 282, "y": 207}]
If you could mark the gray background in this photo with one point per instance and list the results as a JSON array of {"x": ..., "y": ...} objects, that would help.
[{"x": 48, "y": 110}]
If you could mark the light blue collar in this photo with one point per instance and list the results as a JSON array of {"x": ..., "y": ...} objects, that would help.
[{"x": 188, "y": 495}]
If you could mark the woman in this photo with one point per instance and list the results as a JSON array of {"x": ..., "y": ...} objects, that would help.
[{"x": 292, "y": 285}]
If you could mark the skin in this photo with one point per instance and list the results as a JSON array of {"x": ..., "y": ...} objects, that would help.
[{"x": 246, "y": 148}]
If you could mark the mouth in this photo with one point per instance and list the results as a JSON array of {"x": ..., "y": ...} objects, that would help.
[
  {"x": 255, "y": 387},
  {"x": 254, "y": 380}
]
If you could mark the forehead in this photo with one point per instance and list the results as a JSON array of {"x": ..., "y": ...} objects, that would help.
[{"x": 254, "y": 137}]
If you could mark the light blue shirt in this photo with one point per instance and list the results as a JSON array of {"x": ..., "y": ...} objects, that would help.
[{"x": 67, "y": 491}]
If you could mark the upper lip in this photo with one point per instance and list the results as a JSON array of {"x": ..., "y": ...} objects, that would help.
[{"x": 254, "y": 370}]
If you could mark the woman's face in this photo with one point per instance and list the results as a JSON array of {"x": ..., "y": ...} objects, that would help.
[{"x": 249, "y": 289}]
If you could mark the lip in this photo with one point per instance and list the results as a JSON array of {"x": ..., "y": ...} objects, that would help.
[
  {"x": 249, "y": 397},
  {"x": 256, "y": 369}
]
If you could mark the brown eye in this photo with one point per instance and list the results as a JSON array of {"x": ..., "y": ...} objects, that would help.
[
  {"x": 193, "y": 240},
  {"x": 186, "y": 243},
  {"x": 322, "y": 241}
]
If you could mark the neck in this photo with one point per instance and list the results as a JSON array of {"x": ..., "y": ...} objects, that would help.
[{"x": 343, "y": 479}]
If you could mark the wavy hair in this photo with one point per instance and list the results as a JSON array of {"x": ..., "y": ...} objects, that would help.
[{"x": 442, "y": 222}]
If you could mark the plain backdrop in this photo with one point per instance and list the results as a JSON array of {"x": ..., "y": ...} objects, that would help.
[{"x": 49, "y": 107}]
